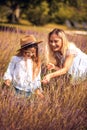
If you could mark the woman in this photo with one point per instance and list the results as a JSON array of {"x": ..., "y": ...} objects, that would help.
[
  {"x": 24, "y": 69},
  {"x": 69, "y": 58}
]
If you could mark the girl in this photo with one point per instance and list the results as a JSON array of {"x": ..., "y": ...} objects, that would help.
[
  {"x": 69, "y": 58},
  {"x": 24, "y": 69}
]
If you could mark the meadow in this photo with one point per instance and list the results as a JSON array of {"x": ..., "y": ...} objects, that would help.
[{"x": 64, "y": 106}]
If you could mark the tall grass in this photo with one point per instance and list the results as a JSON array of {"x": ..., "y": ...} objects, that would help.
[{"x": 64, "y": 106}]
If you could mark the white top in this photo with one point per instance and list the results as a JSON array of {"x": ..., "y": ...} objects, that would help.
[
  {"x": 79, "y": 65},
  {"x": 21, "y": 76},
  {"x": 72, "y": 49}
]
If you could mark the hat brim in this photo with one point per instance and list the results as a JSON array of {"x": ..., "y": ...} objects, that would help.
[{"x": 29, "y": 44}]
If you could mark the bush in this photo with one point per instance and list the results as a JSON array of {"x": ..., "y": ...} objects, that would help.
[
  {"x": 64, "y": 12},
  {"x": 38, "y": 15}
]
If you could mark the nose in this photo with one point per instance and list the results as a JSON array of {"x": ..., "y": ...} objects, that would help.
[
  {"x": 53, "y": 43},
  {"x": 31, "y": 54}
]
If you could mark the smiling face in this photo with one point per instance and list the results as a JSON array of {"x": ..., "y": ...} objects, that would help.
[
  {"x": 29, "y": 53},
  {"x": 55, "y": 42}
]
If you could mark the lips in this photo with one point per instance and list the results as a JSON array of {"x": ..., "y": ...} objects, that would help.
[{"x": 56, "y": 47}]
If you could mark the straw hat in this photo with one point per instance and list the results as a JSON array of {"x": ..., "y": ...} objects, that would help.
[{"x": 27, "y": 41}]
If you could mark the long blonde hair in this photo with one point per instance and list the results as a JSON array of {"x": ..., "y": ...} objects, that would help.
[{"x": 60, "y": 33}]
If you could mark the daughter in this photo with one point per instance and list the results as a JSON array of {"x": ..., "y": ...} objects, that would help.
[{"x": 25, "y": 68}]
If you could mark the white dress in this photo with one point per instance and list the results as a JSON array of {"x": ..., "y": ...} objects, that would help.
[
  {"x": 79, "y": 65},
  {"x": 20, "y": 76}
]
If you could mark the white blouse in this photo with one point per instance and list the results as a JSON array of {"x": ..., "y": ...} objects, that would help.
[
  {"x": 78, "y": 68},
  {"x": 21, "y": 76}
]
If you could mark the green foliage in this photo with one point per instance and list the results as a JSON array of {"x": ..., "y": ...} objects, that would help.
[
  {"x": 65, "y": 12},
  {"x": 80, "y": 15},
  {"x": 38, "y": 14},
  {"x": 41, "y": 12},
  {"x": 4, "y": 11}
]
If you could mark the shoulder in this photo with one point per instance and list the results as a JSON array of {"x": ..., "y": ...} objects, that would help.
[
  {"x": 72, "y": 49},
  {"x": 15, "y": 58},
  {"x": 72, "y": 46}
]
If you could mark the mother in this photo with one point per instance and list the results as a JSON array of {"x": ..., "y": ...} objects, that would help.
[{"x": 69, "y": 58}]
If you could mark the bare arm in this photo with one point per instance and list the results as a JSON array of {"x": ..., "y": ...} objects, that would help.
[
  {"x": 67, "y": 65},
  {"x": 61, "y": 71},
  {"x": 51, "y": 66}
]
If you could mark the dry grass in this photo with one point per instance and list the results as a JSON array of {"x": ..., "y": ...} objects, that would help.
[{"x": 64, "y": 106}]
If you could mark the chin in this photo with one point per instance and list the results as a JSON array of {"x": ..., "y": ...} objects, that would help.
[
  {"x": 29, "y": 58},
  {"x": 56, "y": 50}
]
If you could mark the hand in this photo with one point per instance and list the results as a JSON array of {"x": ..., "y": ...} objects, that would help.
[
  {"x": 39, "y": 93},
  {"x": 46, "y": 79},
  {"x": 50, "y": 66},
  {"x": 7, "y": 82}
]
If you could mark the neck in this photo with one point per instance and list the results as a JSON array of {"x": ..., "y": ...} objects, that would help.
[{"x": 25, "y": 58}]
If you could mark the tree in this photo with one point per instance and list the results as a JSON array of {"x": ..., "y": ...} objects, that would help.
[
  {"x": 38, "y": 14},
  {"x": 14, "y": 8}
]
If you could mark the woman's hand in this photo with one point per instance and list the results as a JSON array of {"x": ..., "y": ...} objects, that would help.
[
  {"x": 50, "y": 66},
  {"x": 46, "y": 79}
]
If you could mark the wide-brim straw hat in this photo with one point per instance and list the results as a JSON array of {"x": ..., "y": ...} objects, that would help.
[{"x": 28, "y": 41}]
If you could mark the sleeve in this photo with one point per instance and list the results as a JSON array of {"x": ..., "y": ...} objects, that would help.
[
  {"x": 9, "y": 72},
  {"x": 72, "y": 50},
  {"x": 39, "y": 79}
]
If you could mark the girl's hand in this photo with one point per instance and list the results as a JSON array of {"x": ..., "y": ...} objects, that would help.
[
  {"x": 50, "y": 66},
  {"x": 39, "y": 93},
  {"x": 46, "y": 79},
  {"x": 7, "y": 82}
]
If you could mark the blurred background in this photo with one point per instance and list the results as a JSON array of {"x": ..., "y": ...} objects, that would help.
[
  {"x": 69, "y": 13},
  {"x": 65, "y": 104}
]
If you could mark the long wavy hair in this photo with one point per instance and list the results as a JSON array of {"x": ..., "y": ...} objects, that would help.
[
  {"x": 36, "y": 60},
  {"x": 59, "y": 56}
]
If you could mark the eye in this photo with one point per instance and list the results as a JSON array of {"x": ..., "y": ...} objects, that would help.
[
  {"x": 56, "y": 41},
  {"x": 27, "y": 52},
  {"x": 53, "y": 41}
]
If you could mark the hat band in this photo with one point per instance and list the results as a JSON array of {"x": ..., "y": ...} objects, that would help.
[{"x": 28, "y": 44}]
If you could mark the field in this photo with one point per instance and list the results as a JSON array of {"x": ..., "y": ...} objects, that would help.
[{"x": 64, "y": 106}]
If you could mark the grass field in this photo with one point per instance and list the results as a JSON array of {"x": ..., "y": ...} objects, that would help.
[{"x": 64, "y": 106}]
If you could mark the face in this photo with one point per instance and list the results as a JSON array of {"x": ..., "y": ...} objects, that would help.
[
  {"x": 55, "y": 42},
  {"x": 29, "y": 53}
]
